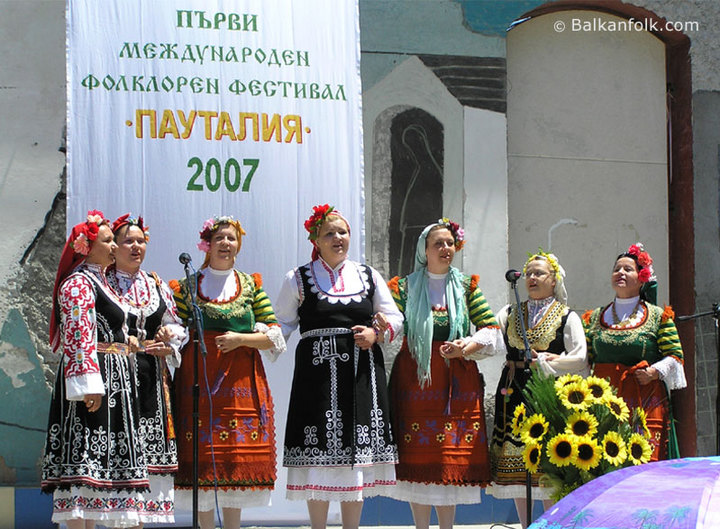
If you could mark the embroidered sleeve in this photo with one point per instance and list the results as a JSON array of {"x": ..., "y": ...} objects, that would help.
[
  {"x": 262, "y": 308},
  {"x": 79, "y": 330},
  {"x": 587, "y": 319},
  {"x": 181, "y": 297},
  {"x": 480, "y": 313},
  {"x": 668, "y": 339}
]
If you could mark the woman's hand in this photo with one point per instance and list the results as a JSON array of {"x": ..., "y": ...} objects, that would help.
[
  {"x": 364, "y": 336},
  {"x": 134, "y": 344},
  {"x": 452, "y": 349},
  {"x": 647, "y": 375},
  {"x": 164, "y": 334},
  {"x": 92, "y": 402},
  {"x": 157, "y": 348},
  {"x": 380, "y": 324},
  {"x": 229, "y": 341}
]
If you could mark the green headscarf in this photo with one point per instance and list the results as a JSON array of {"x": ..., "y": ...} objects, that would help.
[{"x": 418, "y": 312}]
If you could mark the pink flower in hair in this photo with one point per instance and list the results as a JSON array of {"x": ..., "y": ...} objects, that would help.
[
  {"x": 204, "y": 246},
  {"x": 81, "y": 244}
]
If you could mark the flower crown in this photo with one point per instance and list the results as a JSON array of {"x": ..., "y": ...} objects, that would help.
[
  {"x": 313, "y": 223},
  {"x": 549, "y": 257},
  {"x": 457, "y": 232},
  {"x": 211, "y": 225},
  {"x": 88, "y": 232},
  {"x": 128, "y": 220},
  {"x": 646, "y": 273}
]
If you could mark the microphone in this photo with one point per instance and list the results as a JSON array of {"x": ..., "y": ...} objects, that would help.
[
  {"x": 185, "y": 258},
  {"x": 512, "y": 275}
]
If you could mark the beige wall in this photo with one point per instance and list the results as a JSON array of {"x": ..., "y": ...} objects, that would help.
[{"x": 587, "y": 149}]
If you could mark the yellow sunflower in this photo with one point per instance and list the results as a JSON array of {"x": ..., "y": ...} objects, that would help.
[
  {"x": 639, "y": 450},
  {"x": 640, "y": 419},
  {"x": 531, "y": 456},
  {"x": 599, "y": 387},
  {"x": 518, "y": 418},
  {"x": 564, "y": 380},
  {"x": 618, "y": 408},
  {"x": 575, "y": 395},
  {"x": 534, "y": 428},
  {"x": 582, "y": 423},
  {"x": 408, "y": 437},
  {"x": 614, "y": 451},
  {"x": 561, "y": 450},
  {"x": 588, "y": 453}
]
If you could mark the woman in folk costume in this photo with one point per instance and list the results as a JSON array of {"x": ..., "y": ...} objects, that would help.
[
  {"x": 437, "y": 392},
  {"x": 153, "y": 321},
  {"x": 94, "y": 462},
  {"x": 635, "y": 344},
  {"x": 338, "y": 442},
  {"x": 557, "y": 345},
  {"x": 237, "y": 420}
]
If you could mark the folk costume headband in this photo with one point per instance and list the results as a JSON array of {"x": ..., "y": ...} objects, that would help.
[
  {"x": 419, "y": 314},
  {"x": 315, "y": 221},
  {"x": 558, "y": 271},
  {"x": 129, "y": 220},
  {"x": 76, "y": 249},
  {"x": 646, "y": 272}
]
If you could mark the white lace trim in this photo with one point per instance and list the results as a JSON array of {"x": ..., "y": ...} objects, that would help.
[
  {"x": 435, "y": 494},
  {"x": 491, "y": 341},
  {"x": 354, "y": 278},
  {"x": 340, "y": 483},
  {"x": 506, "y": 492},
  {"x": 671, "y": 372},
  {"x": 275, "y": 335},
  {"x": 231, "y": 498}
]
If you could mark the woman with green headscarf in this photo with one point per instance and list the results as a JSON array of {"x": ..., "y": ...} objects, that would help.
[{"x": 436, "y": 389}]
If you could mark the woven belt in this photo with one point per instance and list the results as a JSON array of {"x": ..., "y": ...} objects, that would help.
[
  {"x": 118, "y": 348},
  {"x": 330, "y": 331},
  {"x": 113, "y": 348}
]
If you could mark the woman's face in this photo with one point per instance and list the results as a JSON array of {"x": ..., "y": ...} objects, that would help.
[
  {"x": 333, "y": 241},
  {"x": 224, "y": 246},
  {"x": 439, "y": 250},
  {"x": 625, "y": 279},
  {"x": 102, "y": 251},
  {"x": 131, "y": 249},
  {"x": 539, "y": 279}
]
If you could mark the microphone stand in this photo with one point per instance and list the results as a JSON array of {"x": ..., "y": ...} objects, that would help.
[
  {"x": 195, "y": 322},
  {"x": 715, "y": 313},
  {"x": 528, "y": 359}
]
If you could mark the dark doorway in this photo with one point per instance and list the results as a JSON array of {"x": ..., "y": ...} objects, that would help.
[{"x": 416, "y": 199}]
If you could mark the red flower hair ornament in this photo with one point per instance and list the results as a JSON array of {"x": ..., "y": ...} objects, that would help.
[
  {"x": 129, "y": 220},
  {"x": 646, "y": 273},
  {"x": 77, "y": 247},
  {"x": 317, "y": 219}
]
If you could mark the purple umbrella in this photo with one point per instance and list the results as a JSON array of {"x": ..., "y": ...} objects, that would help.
[{"x": 672, "y": 494}]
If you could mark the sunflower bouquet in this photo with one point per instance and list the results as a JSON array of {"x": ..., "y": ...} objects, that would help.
[{"x": 576, "y": 429}]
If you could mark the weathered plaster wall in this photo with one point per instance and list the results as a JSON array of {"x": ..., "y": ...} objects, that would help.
[{"x": 32, "y": 213}]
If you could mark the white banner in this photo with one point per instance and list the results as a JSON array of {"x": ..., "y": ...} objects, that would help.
[{"x": 181, "y": 110}]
